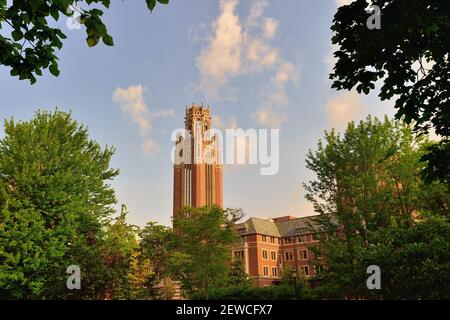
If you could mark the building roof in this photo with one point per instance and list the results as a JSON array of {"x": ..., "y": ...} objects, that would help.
[{"x": 278, "y": 227}]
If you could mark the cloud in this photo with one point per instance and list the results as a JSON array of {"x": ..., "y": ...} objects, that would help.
[
  {"x": 344, "y": 108},
  {"x": 150, "y": 147},
  {"x": 341, "y": 3},
  {"x": 132, "y": 103},
  {"x": 239, "y": 48},
  {"x": 270, "y": 28},
  {"x": 221, "y": 59},
  {"x": 272, "y": 112},
  {"x": 221, "y": 124},
  {"x": 261, "y": 56},
  {"x": 267, "y": 116}
]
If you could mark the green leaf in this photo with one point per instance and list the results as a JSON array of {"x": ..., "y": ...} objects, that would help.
[
  {"x": 92, "y": 41},
  {"x": 108, "y": 40},
  {"x": 54, "y": 69},
  {"x": 17, "y": 35},
  {"x": 151, "y": 4}
]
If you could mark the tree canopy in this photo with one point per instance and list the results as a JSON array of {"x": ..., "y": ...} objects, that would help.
[
  {"x": 29, "y": 39},
  {"x": 408, "y": 56},
  {"x": 376, "y": 210}
]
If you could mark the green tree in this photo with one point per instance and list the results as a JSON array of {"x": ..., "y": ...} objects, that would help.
[
  {"x": 28, "y": 44},
  {"x": 367, "y": 180},
  {"x": 237, "y": 275},
  {"x": 153, "y": 256},
  {"x": 201, "y": 247},
  {"x": 118, "y": 249},
  {"x": 54, "y": 199},
  {"x": 409, "y": 56}
]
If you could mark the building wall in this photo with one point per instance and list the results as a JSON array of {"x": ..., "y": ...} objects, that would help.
[{"x": 255, "y": 261}]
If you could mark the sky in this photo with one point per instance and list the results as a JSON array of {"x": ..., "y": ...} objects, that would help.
[{"x": 256, "y": 63}]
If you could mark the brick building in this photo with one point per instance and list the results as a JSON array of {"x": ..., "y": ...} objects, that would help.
[
  {"x": 269, "y": 246},
  {"x": 197, "y": 172}
]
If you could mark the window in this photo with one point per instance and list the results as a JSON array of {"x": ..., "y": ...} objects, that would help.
[
  {"x": 318, "y": 269},
  {"x": 272, "y": 239},
  {"x": 273, "y": 255},
  {"x": 304, "y": 270},
  {"x": 301, "y": 238},
  {"x": 239, "y": 254},
  {"x": 264, "y": 238},
  {"x": 265, "y": 271},
  {"x": 265, "y": 254},
  {"x": 287, "y": 240},
  {"x": 303, "y": 254},
  {"x": 288, "y": 256},
  {"x": 274, "y": 272}
]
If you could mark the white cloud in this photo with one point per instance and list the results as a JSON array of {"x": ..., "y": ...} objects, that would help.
[
  {"x": 221, "y": 59},
  {"x": 270, "y": 117},
  {"x": 343, "y": 108},
  {"x": 221, "y": 124},
  {"x": 257, "y": 8},
  {"x": 270, "y": 27},
  {"x": 237, "y": 49},
  {"x": 343, "y": 2},
  {"x": 132, "y": 103},
  {"x": 150, "y": 147},
  {"x": 261, "y": 56},
  {"x": 272, "y": 112}
]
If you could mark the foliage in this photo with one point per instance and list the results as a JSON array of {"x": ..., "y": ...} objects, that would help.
[
  {"x": 237, "y": 275},
  {"x": 31, "y": 46},
  {"x": 368, "y": 190},
  {"x": 409, "y": 55},
  {"x": 55, "y": 200},
  {"x": 154, "y": 255},
  {"x": 286, "y": 290},
  {"x": 201, "y": 247}
]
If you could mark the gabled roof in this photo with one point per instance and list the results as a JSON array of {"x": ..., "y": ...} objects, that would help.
[{"x": 283, "y": 228}]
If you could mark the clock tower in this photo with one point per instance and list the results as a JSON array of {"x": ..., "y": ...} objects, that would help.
[{"x": 197, "y": 172}]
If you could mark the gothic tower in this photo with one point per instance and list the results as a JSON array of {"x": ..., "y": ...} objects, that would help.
[{"x": 197, "y": 172}]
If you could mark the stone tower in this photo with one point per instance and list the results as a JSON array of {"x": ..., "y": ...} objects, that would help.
[{"x": 197, "y": 172}]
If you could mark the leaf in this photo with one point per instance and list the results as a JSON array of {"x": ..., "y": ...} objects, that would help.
[
  {"x": 92, "y": 41},
  {"x": 54, "y": 69},
  {"x": 151, "y": 4},
  {"x": 17, "y": 35},
  {"x": 108, "y": 40}
]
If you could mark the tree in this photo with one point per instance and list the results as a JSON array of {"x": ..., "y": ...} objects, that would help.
[
  {"x": 237, "y": 275},
  {"x": 153, "y": 256},
  {"x": 409, "y": 55},
  {"x": 31, "y": 46},
  {"x": 367, "y": 182},
  {"x": 54, "y": 199},
  {"x": 202, "y": 247},
  {"x": 119, "y": 248}
]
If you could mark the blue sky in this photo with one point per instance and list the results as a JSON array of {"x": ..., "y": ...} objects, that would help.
[{"x": 258, "y": 64}]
